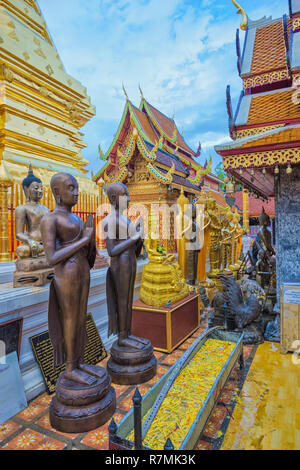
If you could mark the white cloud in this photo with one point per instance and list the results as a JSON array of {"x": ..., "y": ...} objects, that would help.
[{"x": 182, "y": 52}]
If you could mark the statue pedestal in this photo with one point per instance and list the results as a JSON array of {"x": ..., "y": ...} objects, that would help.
[
  {"x": 131, "y": 366},
  {"x": 34, "y": 278},
  {"x": 167, "y": 327},
  {"x": 80, "y": 408}
]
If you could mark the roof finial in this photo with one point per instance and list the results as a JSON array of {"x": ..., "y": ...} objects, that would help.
[
  {"x": 240, "y": 10},
  {"x": 125, "y": 92},
  {"x": 141, "y": 92}
]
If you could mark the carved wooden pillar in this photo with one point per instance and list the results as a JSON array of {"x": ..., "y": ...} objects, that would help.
[{"x": 5, "y": 182}]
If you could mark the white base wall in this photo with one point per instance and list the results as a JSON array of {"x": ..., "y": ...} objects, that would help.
[{"x": 31, "y": 303}]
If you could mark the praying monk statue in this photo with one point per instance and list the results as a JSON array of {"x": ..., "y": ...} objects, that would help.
[
  {"x": 132, "y": 360},
  {"x": 32, "y": 268},
  {"x": 70, "y": 248}
]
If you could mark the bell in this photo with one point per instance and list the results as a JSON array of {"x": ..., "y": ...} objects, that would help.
[
  {"x": 276, "y": 171},
  {"x": 229, "y": 188},
  {"x": 289, "y": 170}
]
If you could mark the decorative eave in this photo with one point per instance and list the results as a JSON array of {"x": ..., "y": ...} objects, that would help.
[{"x": 253, "y": 161}]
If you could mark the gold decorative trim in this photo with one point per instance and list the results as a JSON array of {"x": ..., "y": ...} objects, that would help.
[
  {"x": 165, "y": 178},
  {"x": 200, "y": 173},
  {"x": 296, "y": 77},
  {"x": 263, "y": 79},
  {"x": 239, "y": 134},
  {"x": 262, "y": 159},
  {"x": 296, "y": 23}
]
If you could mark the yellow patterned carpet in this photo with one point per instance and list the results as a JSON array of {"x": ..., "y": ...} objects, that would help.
[{"x": 267, "y": 413}]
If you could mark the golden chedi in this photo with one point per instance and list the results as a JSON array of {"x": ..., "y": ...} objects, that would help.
[
  {"x": 162, "y": 280},
  {"x": 32, "y": 268}
]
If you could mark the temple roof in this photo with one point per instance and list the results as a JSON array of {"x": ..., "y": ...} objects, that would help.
[
  {"x": 274, "y": 107},
  {"x": 264, "y": 49},
  {"x": 166, "y": 124},
  {"x": 266, "y": 126},
  {"x": 283, "y": 135},
  {"x": 161, "y": 145}
]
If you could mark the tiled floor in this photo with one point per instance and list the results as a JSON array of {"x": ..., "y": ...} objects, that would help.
[
  {"x": 267, "y": 415},
  {"x": 31, "y": 429}
]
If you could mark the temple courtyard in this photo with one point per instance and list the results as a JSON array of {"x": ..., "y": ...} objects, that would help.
[{"x": 257, "y": 410}]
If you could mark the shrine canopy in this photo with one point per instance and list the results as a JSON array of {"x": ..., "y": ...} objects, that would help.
[
  {"x": 146, "y": 133},
  {"x": 265, "y": 129}
]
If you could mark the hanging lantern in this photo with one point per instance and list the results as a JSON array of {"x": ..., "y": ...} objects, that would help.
[{"x": 229, "y": 187}]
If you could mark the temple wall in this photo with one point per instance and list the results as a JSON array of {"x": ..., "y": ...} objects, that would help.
[
  {"x": 287, "y": 202},
  {"x": 32, "y": 304}
]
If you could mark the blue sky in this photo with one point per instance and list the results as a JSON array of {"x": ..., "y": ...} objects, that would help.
[{"x": 182, "y": 52}]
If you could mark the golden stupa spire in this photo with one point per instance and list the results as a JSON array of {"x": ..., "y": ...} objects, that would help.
[{"x": 240, "y": 10}]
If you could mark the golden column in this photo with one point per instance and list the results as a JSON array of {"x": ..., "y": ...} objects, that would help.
[
  {"x": 246, "y": 210},
  {"x": 100, "y": 184},
  {"x": 183, "y": 224},
  {"x": 5, "y": 182}
]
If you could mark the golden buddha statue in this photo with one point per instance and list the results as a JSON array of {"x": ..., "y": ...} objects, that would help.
[
  {"x": 30, "y": 253},
  {"x": 237, "y": 245},
  {"x": 227, "y": 240},
  {"x": 215, "y": 238},
  {"x": 162, "y": 279}
]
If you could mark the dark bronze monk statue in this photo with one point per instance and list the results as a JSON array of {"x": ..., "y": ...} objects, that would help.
[
  {"x": 132, "y": 360},
  {"x": 70, "y": 248},
  {"x": 124, "y": 245}
]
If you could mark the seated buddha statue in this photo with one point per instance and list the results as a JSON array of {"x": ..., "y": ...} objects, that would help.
[
  {"x": 162, "y": 279},
  {"x": 30, "y": 252}
]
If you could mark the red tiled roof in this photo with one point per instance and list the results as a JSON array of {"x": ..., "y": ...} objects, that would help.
[
  {"x": 273, "y": 107},
  {"x": 144, "y": 121},
  {"x": 256, "y": 205},
  {"x": 168, "y": 126},
  {"x": 269, "y": 49}
]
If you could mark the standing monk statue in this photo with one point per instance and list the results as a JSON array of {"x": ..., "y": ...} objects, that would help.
[
  {"x": 70, "y": 248},
  {"x": 124, "y": 242}
]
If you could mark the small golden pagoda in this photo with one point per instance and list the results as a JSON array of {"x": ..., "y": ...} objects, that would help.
[{"x": 42, "y": 109}]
